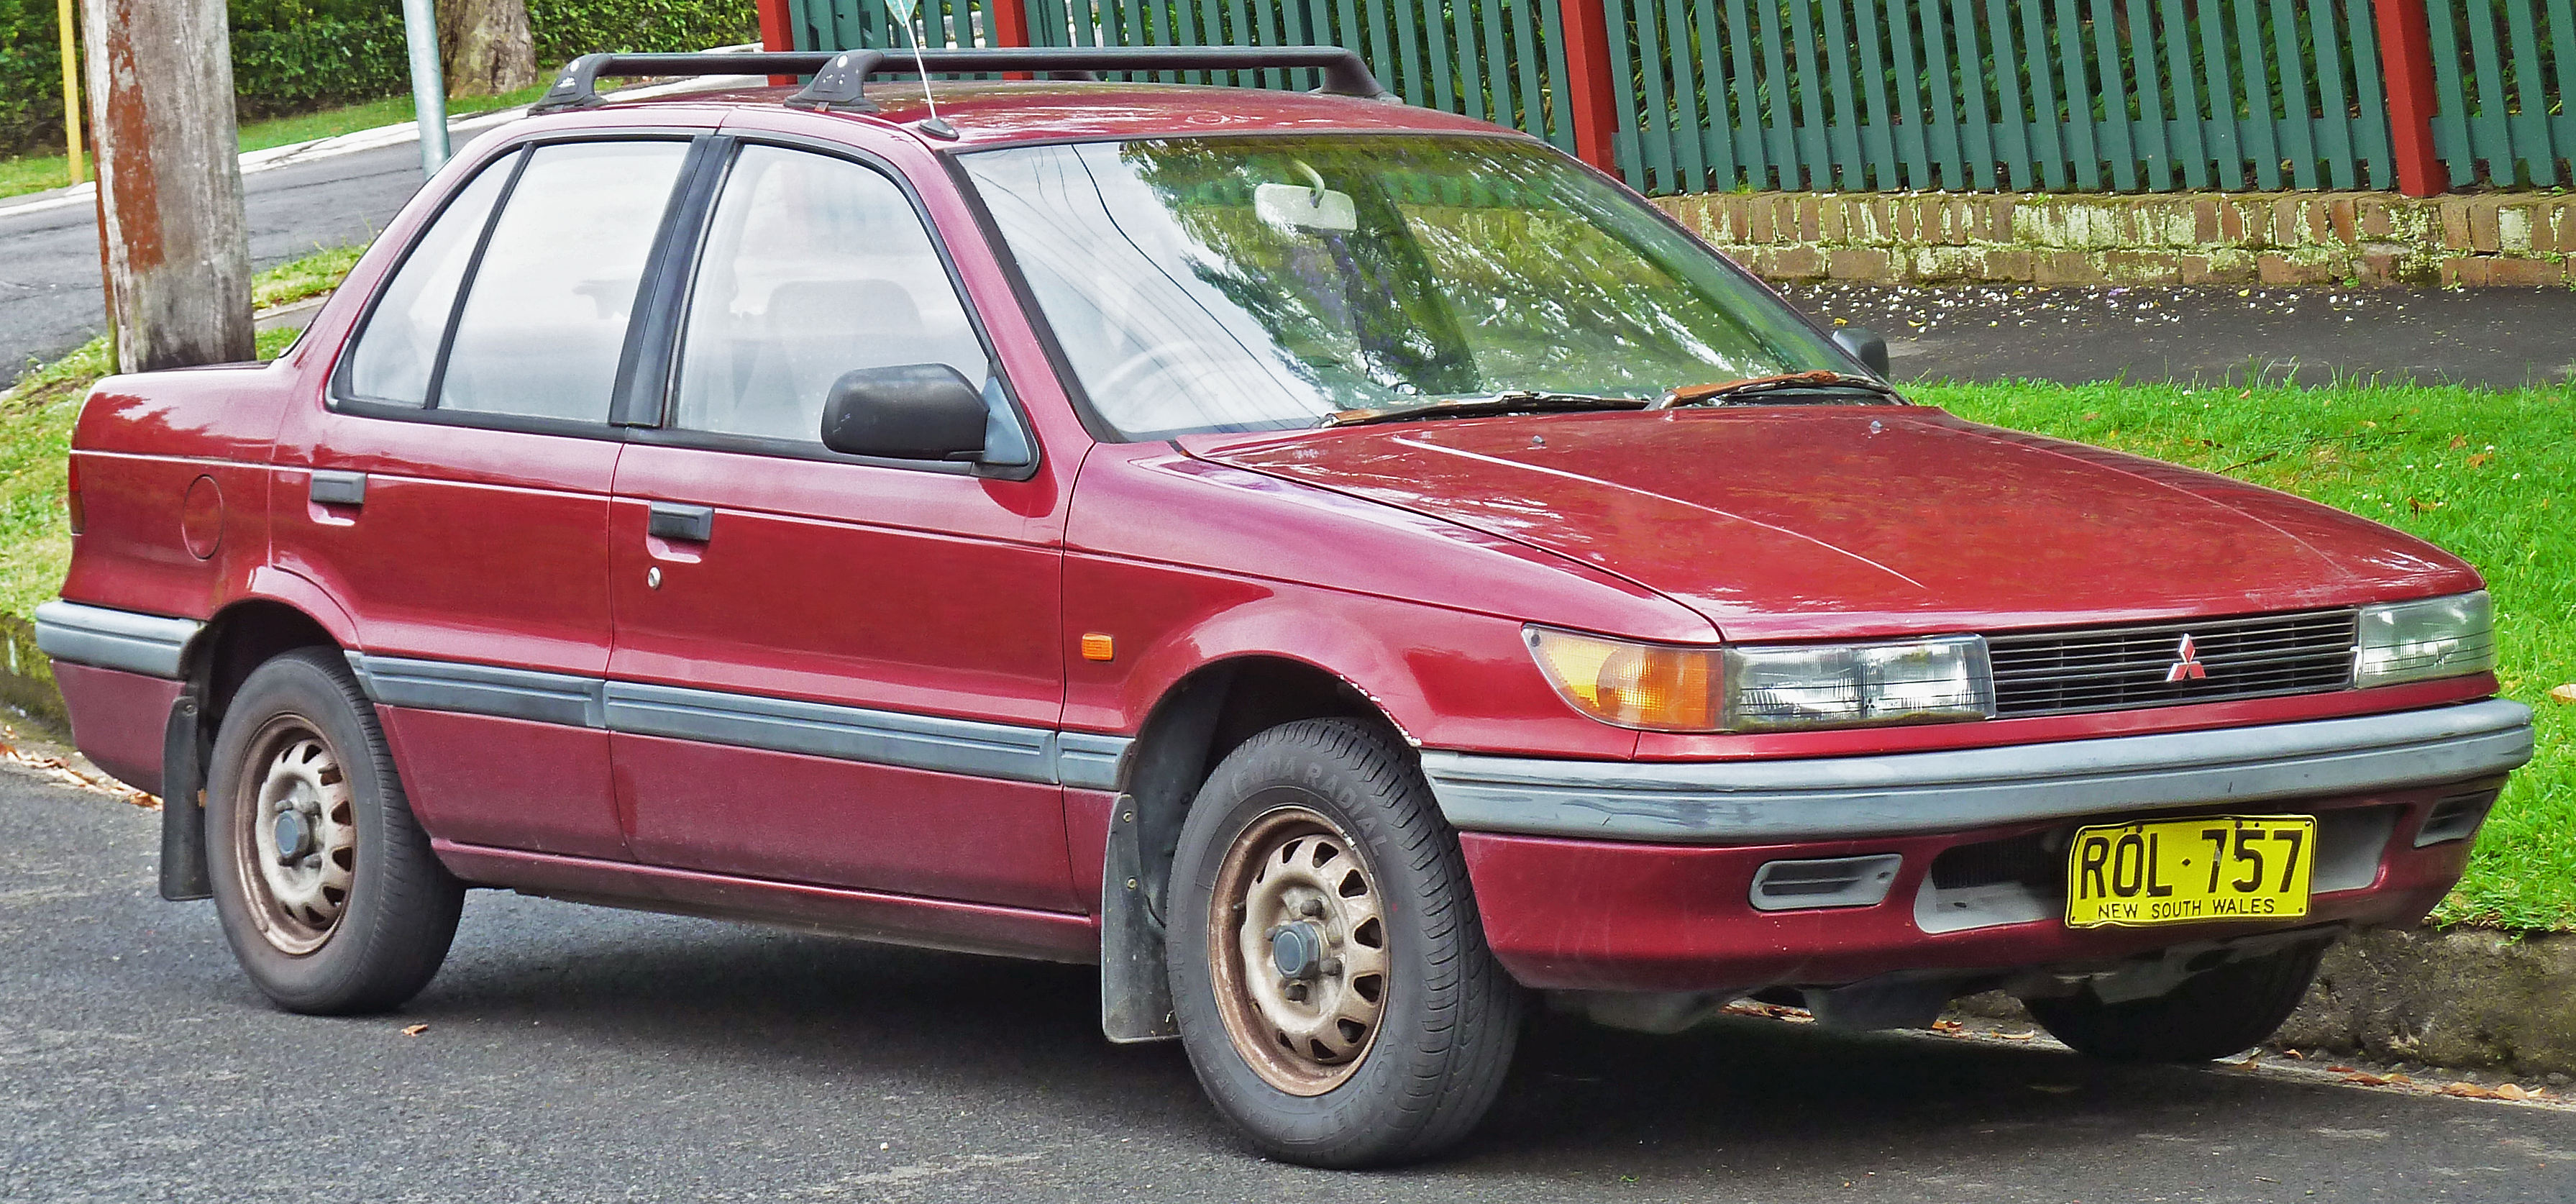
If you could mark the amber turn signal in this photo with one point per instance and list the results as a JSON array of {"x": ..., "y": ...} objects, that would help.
[
  {"x": 1097, "y": 646},
  {"x": 1658, "y": 686}
]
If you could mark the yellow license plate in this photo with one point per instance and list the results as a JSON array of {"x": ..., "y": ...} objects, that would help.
[{"x": 2188, "y": 871}]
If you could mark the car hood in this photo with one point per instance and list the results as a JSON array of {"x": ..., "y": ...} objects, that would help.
[{"x": 1848, "y": 521}]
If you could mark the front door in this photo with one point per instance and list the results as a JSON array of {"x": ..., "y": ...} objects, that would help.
[{"x": 831, "y": 670}]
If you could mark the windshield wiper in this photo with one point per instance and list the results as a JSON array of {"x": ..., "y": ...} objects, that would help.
[
  {"x": 1516, "y": 401},
  {"x": 1699, "y": 395}
]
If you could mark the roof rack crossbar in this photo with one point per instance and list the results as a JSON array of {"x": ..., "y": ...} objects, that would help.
[{"x": 839, "y": 74}]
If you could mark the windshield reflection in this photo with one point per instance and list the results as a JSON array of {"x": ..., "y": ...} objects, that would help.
[{"x": 1253, "y": 283}]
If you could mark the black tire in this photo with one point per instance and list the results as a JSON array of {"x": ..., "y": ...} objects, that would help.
[
  {"x": 2211, "y": 1015},
  {"x": 1445, "y": 1016},
  {"x": 299, "y": 735}
]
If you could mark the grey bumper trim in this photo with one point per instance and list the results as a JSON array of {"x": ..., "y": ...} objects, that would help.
[
  {"x": 114, "y": 639},
  {"x": 1752, "y": 802}
]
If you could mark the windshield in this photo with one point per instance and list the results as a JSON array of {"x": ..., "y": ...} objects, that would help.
[{"x": 1256, "y": 283}]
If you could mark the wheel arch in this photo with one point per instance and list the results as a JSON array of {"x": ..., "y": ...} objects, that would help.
[
  {"x": 1192, "y": 725},
  {"x": 237, "y": 639}
]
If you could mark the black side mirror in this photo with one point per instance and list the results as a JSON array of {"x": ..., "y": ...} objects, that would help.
[
  {"x": 908, "y": 412},
  {"x": 1864, "y": 346}
]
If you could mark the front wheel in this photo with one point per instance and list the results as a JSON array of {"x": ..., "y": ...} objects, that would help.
[
  {"x": 1331, "y": 981},
  {"x": 326, "y": 887},
  {"x": 2210, "y": 1015}
]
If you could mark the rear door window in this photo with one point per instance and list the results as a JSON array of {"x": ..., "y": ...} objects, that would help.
[{"x": 545, "y": 318}]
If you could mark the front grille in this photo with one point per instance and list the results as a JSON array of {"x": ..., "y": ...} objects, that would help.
[{"x": 2114, "y": 668}]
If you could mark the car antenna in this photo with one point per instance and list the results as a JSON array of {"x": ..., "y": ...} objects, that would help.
[{"x": 932, "y": 126}]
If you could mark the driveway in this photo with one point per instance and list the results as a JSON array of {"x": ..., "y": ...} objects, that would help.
[{"x": 580, "y": 1054}]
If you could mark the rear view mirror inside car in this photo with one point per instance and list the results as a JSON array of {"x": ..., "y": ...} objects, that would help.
[{"x": 1319, "y": 209}]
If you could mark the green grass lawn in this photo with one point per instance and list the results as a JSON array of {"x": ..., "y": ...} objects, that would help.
[
  {"x": 2489, "y": 475},
  {"x": 35, "y": 173}
]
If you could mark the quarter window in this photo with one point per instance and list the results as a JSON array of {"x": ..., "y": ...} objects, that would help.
[
  {"x": 813, "y": 267},
  {"x": 545, "y": 317}
]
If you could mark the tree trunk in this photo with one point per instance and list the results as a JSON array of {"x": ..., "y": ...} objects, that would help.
[
  {"x": 485, "y": 46},
  {"x": 169, "y": 183}
]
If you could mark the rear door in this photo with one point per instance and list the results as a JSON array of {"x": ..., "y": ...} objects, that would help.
[
  {"x": 829, "y": 669},
  {"x": 453, "y": 493}
]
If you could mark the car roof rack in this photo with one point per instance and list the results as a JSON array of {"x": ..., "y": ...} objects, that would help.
[{"x": 838, "y": 75}]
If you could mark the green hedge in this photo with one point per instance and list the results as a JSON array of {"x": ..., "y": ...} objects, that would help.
[{"x": 293, "y": 56}]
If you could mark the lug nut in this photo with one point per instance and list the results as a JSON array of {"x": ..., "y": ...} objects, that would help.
[
  {"x": 1333, "y": 967},
  {"x": 1295, "y": 991},
  {"x": 1311, "y": 908}
]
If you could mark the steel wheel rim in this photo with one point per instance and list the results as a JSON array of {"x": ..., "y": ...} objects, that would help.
[
  {"x": 1289, "y": 867},
  {"x": 297, "y": 894}
]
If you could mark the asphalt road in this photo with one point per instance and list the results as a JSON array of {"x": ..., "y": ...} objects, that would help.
[
  {"x": 49, "y": 278},
  {"x": 580, "y": 1054}
]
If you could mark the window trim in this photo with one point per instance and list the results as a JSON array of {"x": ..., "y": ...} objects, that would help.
[
  {"x": 688, "y": 253},
  {"x": 340, "y": 398}
]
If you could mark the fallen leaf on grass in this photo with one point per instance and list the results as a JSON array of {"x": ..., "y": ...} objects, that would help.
[
  {"x": 414, "y": 1030},
  {"x": 2565, "y": 693},
  {"x": 2458, "y": 442},
  {"x": 2479, "y": 460},
  {"x": 2362, "y": 1079}
]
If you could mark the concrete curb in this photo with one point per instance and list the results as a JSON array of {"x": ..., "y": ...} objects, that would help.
[
  {"x": 2462, "y": 998},
  {"x": 2353, "y": 238}
]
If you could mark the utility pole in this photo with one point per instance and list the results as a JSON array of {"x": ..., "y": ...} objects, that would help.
[
  {"x": 169, "y": 183},
  {"x": 428, "y": 89}
]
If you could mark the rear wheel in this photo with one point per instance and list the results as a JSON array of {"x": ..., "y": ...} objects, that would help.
[
  {"x": 326, "y": 887},
  {"x": 2211, "y": 1015},
  {"x": 1332, "y": 984}
]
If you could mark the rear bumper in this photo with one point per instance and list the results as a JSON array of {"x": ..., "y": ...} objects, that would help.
[{"x": 1666, "y": 902}]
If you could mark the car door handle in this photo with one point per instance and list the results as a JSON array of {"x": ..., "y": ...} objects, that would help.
[
  {"x": 338, "y": 488},
  {"x": 688, "y": 524}
]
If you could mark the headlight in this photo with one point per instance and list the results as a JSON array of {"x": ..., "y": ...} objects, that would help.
[
  {"x": 1851, "y": 685},
  {"x": 1667, "y": 688},
  {"x": 2417, "y": 641}
]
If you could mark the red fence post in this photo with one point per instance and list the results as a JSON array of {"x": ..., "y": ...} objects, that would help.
[
  {"x": 1591, "y": 105},
  {"x": 774, "y": 35},
  {"x": 2406, "y": 58},
  {"x": 1008, "y": 23}
]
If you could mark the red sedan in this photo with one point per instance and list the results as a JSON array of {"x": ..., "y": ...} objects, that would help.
[{"x": 1345, "y": 569}]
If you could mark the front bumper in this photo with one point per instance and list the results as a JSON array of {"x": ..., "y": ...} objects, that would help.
[{"x": 1641, "y": 877}]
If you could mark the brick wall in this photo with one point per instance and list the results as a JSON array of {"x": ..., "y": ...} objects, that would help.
[{"x": 2352, "y": 238}]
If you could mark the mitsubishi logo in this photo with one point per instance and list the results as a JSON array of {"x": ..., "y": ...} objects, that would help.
[{"x": 2188, "y": 667}]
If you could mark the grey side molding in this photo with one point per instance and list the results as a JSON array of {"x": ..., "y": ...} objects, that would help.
[
  {"x": 124, "y": 640},
  {"x": 932, "y": 742},
  {"x": 1752, "y": 802},
  {"x": 480, "y": 689}
]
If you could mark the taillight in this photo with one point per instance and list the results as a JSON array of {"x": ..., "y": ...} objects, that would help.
[{"x": 71, "y": 495}]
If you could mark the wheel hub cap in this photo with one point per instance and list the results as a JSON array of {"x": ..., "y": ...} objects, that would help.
[
  {"x": 1297, "y": 950},
  {"x": 297, "y": 842},
  {"x": 1298, "y": 946}
]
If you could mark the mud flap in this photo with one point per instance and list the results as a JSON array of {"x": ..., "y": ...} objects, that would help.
[
  {"x": 183, "y": 812},
  {"x": 1135, "y": 987}
]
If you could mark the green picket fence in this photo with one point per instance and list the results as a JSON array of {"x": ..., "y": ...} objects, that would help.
[
  {"x": 2504, "y": 71},
  {"x": 1888, "y": 95},
  {"x": 1987, "y": 94}
]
